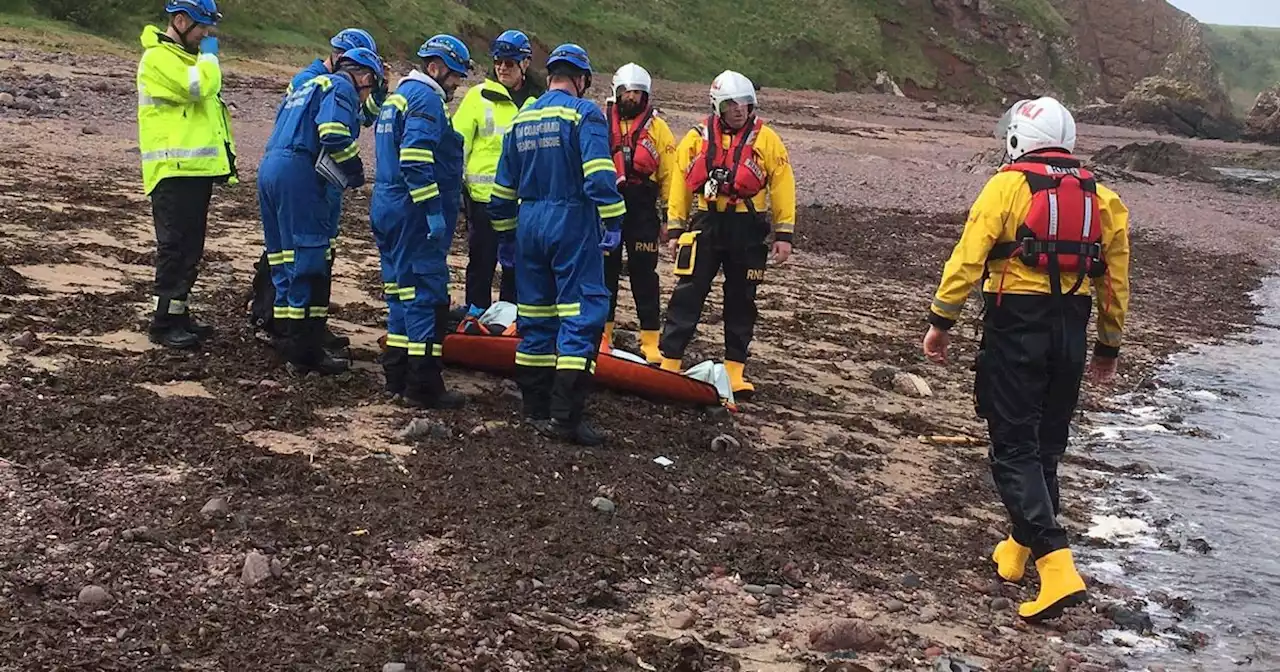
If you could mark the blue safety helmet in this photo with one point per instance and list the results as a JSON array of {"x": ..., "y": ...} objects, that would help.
[
  {"x": 352, "y": 38},
  {"x": 204, "y": 12},
  {"x": 572, "y": 54},
  {"x": 367, "y": 58},
  {"x": 449, "y": 49},
  {"x": 511, "y": 44}
]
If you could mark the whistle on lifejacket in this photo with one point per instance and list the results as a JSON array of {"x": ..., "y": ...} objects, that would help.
[{"x": 686, "y": 252}]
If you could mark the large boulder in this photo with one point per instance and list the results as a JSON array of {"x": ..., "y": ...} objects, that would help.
[
  {"x": 1178, "y": 107},
  {"x": 1160, "y": 158},
  {"x": 1263, "y": 122}
]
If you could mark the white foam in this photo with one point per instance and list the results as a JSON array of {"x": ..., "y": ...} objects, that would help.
[
  {"x": 1146, "y": 412},
  {"x": 1204, "y": 395},
  {"x": 1115, "y": 528},
  {"x": 1134, "y": 641}
]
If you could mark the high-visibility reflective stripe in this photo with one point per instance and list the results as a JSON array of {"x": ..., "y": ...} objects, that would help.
[
  {"x": 397, "y": 101},
  {"x": 321, "y": 81},
  {"x": 333, "y": 128},
  {"x": 176, "y": 306},
  {"x": 397, "y": 341},
  {"x": 437, "y": 350},
  {"x": 318, "y": 311},
  {"x": 391, "y": 289},
  {"x": 1088, "y": 216},
  {"x": 418, "y": 349},
  {"x": 501, "y": 225},
  {"x": 1053, "y": 215},
  {"x": 144, "y": 100},
  {"x": 166, "y": 154},
  {"x": 596, "y": 166},
  {"x": 408, "y": 293},
  {"x": 504, "y": 192},
  {"x": 947, "y": 309},
  {"x": 288, "y": 313},
  {"x": 415, "y": 154},
  {"x": 526, "y": 310},
  {"x": 193, "y": 82},
  {"x": 616, "y": 210},
  {"x": 784, "y": 228},
  {"x": 281, "y": 257},
  {"x": 558, "y": 112},
  {"x": 542, "y": 361},
  {"x": 477, "y": 178},
  {"x": 571, "y": 363},
  {"x": 346, "y": 154},
  {"x": 568, "y": 309},
  {"x": 423, "y": 193},
  {"x": 675, "y": 225}
]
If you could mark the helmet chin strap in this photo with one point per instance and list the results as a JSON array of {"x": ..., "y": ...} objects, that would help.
[{"x": 182, "y": 34}]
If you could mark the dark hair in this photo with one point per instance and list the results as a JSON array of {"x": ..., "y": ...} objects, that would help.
[{"x": 565, "y": 69}]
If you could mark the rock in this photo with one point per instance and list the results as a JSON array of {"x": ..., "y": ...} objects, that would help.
[
  {"x": 845, "y": 635},
  {"x": 257, "y": 568},
  {"x": 912, "y": 581},
  {"x": 165, "y": 650},
  {"x": 894, "y": 606},
  {"x": 928, "y": 615},
  {"x": 725, "y": 442},
  {"x": 773, "y": 590},
  {"x": 94, "y": 596},
  {"x": 1130, "y": 619},
  {"x": 91, "y": 130},
  {"x": 479, "y": 430},
  {"x": 567, "y": 643},
  {"x": 932, "y": 652},
  {"x": 603, "y": 505},
  {"x": 157, "y": 573},
  {"x": 737, "y": 643},
  {"x": 754, "y": 589},
  {"x": 911, "y": 385},
  {"x": 931, "y": 108},
  {"x": 277, "y": 568},
  {"x": 682, "y": 620},
  {"x": 6, "y": 99},
  {"x": 883, "y": 377},
  {"x": 394, "y": 667},
  {"x": 1091, "y": 667},
  {"x": 420, "y": 427},
  {"x": 1159, "y": 157},
  {"x": 1179, "y": 107},
  {"x": 1261, "y": 124},
  {"x": 268, "y": 384},
  {"x": 885, "y": 84},
  {"x": 1080, "y": 637},
  {"x": 1001, "y": 604},
  {"x": 215, "y": 508},
  {"x": 27, "y": 340},
  {"x": 1199, "y": 546}
]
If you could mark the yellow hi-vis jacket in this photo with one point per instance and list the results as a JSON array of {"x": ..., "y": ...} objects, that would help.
[
  {"x": 780, "y": 180},
  {"x": 994, "y": 218},
  {"x": 184, "y": 128},
  {"x": 483, "y": 116}
]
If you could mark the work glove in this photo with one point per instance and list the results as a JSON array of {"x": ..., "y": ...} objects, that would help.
[
  {"x": 612, "y": 235},
  {"x": 355, "y": 173},
  {"x": 507, "y": 253},
  {"x": 209, "y": 45},
  {"x": 436, "y": 228}
]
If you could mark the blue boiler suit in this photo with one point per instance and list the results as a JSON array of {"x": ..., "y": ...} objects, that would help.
[
  {"x": 323, "y": 115},
  {"x": 419, "y": 173},
  {"x": 332, "y": 194},
  {"x": 556, "y": 164}
]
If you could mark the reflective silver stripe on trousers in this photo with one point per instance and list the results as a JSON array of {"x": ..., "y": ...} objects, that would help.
[
  {"x": 193, "y": 82},
  {"x": 198, "y": 153}
]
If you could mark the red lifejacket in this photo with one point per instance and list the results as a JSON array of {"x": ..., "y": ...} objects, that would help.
[
  {"x": 635, "y": 154},
  {"x": 1063, "y": 229},
  {"x": 735, "y": 171}
]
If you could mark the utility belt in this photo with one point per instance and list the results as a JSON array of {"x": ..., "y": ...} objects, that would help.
[
  {"x": 741, "y": 235},
  {"x": 642, "y": 192}
]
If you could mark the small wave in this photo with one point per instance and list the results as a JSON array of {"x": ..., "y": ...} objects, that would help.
[{"x": 1122, "y": 529}]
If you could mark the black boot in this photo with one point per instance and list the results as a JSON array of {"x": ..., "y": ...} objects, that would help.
[
  {"x": 395, "y": 367},
  {"x": 306, "y": 352},
  {"x": 535, "y": 389},
  {"x": 170, "y": 330},
  {"x": 202, "y": 331},
  {"x": 568, "y": 402},
  {"x": 334, "y": 342},
  {"x": 424, "y": 386}
]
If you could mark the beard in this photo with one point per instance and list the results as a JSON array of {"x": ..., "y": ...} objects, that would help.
[{"x": 629, "y": 110}]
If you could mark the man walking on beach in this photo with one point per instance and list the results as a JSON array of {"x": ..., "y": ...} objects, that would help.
[{"x": 1041, "y": 234}]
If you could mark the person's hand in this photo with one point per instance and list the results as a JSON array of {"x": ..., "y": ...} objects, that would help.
[
  {"x": 1102, "y": 370},
  {"x": 436, "y": 228},
  {"x": 209, "y": 45},
  {"x": 673, "y": 244},
  {"x": 781, "y": 252},
  {"x": 507, "y": 253},
  {"x": 612, "y": 239},
  {"x": 936, "y": 342}
]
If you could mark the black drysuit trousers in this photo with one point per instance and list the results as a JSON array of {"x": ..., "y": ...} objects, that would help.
[
  {"x": 1027, "y": 383},
  {"x": 180, "y": 210},
  {"x": 640, "y": 235},
  {"x": 734, "y": 241}
]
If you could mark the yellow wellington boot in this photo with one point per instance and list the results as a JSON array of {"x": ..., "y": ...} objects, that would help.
[
  {"x": 649, "y": 347},
  {"x": 1011, "y": 559},
  {"x": 741, "y": 388},
  {"x": 672, "y": 365},
  {"x": 1060, "y": 587},
  {"x": 606, "y": 341}
]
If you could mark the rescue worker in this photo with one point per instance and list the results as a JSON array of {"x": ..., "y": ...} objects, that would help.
[
  {"x": 186, "y": 144},
  {"x": 555, "y": 178},
  {"x": 417, "y": 187},
  {"x": 483, "y": 116},
  {"x": 314, "y": 141},
  {"x": 260, "y": 312},
  {"x": 731, "y": 161},
  {"x": 1043, "y": 233},
  {"x": 644, "y": 156}
]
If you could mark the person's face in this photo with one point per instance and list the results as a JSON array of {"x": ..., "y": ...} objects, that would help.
[
  {"x": 510, "y": 71},
  {"x": 446, "y": 78},
  {"x": 365, "y": 83},
  {"x": 734, "y": 113},
  {"x": 335, "y": 55},
  {"x": 193, "y": 32}
]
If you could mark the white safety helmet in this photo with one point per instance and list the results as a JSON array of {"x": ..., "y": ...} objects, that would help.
[
  {"x": 632, "y": 77},
  {"x": 1030, "y": 125},
  {"x": 730, "y": 85}
]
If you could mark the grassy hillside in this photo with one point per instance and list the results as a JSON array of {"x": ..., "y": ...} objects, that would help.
[
  {"x": 823, "y": 44},
  {"x": 1249, "y": 57}
]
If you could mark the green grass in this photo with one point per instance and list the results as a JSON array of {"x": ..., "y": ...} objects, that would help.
[
  {"x": 794, "y": 44},
  {"x": 1249, "y": 58}
]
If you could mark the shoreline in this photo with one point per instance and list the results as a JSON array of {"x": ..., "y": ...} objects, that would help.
[{"x": 831, "y": 497}]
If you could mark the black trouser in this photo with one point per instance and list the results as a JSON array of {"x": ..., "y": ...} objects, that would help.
[
  {"x": 180, "y": 208},
  {"x": 482, "y": 257},
  {"x": 736, "y": 242},
  {"x": 640, "y": 229},
  {"x": 1028, "y": 374}
]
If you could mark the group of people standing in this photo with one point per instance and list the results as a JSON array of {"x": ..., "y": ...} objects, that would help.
[{"x": 555, "y": 189}]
